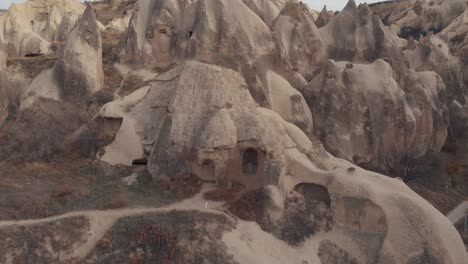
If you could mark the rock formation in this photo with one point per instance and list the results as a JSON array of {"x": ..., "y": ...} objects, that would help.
[
  {"x": 210, "y": 126},
  {"x": 30, "y": 27},
  {"x": 3, "y": 95},
  {"x": 79, "y": 69},
  {"x": 323, "y": 18},
  {"x": 78, "y": 72},
  {"x": 347, "y": 100},
  {"x": 268, "y": 11},
  {"x": 245, "y": 93},
  {"x": 419, "y": 17},
  {"x": 433, "y": 54},
  {"x": 300, "y": 39},
  {"x": 357, "y": 35}
]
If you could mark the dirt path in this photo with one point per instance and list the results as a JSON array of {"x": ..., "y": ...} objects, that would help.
[
  {"x": 102, "y": 220},
  {"x": 457, "y": 213}
]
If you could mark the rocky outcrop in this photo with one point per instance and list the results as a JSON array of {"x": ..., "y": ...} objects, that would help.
[
  {"x": 65, "y": 27},
  {"x": 301, "y": 41},
  {"x": 267, "y": 10},
  {"x": 159, "y": 36},
  {"x": 78, "y": 74},
  {"x": 323, "y": 18},
  {"x": 458, "y": 130},
  {"x": 363, "y": 115},
  {"x": 433, "y": 54},
  {"x": 30, "y": 27},
  {"x": 211, "y": 127},
  {"x": 455, "y": 71},
  {"x": 456, "y": 32},
  {"x": 235, "y": 91},
  {"x": 419, "y": 17},
  {"x": 3, "y": 95},
  {"x": 390, "y": 11},
  {"x": 162, "y": 33},
  {"x": 357, "y": 35},
  {"x": 79, "y": 69}
]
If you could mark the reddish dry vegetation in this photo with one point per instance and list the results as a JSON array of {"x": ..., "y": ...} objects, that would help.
[
  {"x": 157, "y": 237},
  {"x": 42, "y": 243},
  {"x": 250, "y": 206},
  {"x": 174, "y": 237},
  {"x": 444, "y": 185},
  {"x": 223, "y": 195},
  {"x": 40, "y": 189},
  {"x": 187, "y": 186}
]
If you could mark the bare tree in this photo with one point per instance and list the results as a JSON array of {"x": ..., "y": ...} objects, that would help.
[{"x": 402, "y": 164}]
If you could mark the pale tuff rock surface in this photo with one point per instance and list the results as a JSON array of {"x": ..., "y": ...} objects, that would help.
[
  {"x": 323, "y": 18},
  {"x": 267, "y": 10},
  {"x": 3, "y": 95},
  {"x": 206, "y": 124},
  {"x": 300, "y": 39},
  {"x": 433, "y": 54},
  {"x": 363, "y": 115},
  {"x": 163, "y": 32},
  {"x": 456, "y": 33},
  {"x": 357, "y": 35},
  {"x": 30, "y": 27},
  {"x": 43, "y": 86},
  {"x": 78, "y": 72},
  {"x": 289, "y": 103},
  {"x": 426, "y": 16},
  {"x": 247, "y": 91},
  {"x": 120, "y": 24},
  {"x": 79, "y": 69}
]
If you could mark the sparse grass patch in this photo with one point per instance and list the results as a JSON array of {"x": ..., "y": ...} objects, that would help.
[
  {"x": 175, "y": 237},
  {"x": 222, "y": 195},
  {"x": 41, "y": 243},
  {"x": 69, "y": 185}
]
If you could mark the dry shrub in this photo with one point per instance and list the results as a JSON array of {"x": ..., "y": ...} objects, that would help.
[
  {"x": 188, "y": 186},
  {"x": 330, "y": 253},
  {"x": 39, "y": 168},
  {"x": 114, "y": 204},
  {"x": 158, "y": 240},
  {"x": 62, "y": 191},
  {"x": 56, "y": 46},
  {"x": 251, "y": 207},
  {"x": 303, "y": 218},
  {"x": 105, "y": 243},
  {"x": 453, "y": 167},
  {"x": 39, "y": 133},
  {"x": 223, "y": 195}
]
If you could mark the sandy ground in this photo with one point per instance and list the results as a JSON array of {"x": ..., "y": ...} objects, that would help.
[{"x": 457, "y": 213}]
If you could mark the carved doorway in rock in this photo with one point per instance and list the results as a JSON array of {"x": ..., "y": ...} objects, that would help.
[
  {"x": 249, "y": 161},
  {"x": 208, "y": 170}
]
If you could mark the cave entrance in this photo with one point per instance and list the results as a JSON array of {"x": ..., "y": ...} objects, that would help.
[
  {"x": 250, "y": 161},
  {"x": 208, "y": 170},
  {"x": 140, "y": 162},
  {"x": 314, "y": 192}
]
